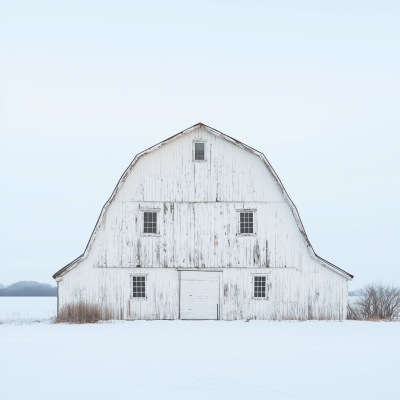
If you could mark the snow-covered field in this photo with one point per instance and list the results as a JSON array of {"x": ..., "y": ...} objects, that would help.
[
  {"x": 201, "y": 360},
  {"x": 25, "y": 309}
]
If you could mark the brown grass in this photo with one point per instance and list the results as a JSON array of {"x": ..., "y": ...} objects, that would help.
[
  {"x": 309, "y": 315},
  {"x": 83, "y": 313}
]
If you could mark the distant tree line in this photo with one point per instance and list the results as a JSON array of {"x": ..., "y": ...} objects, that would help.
[{"x": 28, "y": 288}]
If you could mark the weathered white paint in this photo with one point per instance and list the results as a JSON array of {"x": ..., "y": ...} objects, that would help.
[{"x": 197, "y": 205}]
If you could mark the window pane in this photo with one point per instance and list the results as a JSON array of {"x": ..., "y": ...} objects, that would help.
[
  {"x": 138, "y": 286},
  {"x": 246, "y": 222},
  {"x": 259, "y": 286},
  {"x": 199, "y": 151},
  {"x": 150, "y": 222}
]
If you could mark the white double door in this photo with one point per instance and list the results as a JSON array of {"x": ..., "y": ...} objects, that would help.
[{"x": 200, "y": 295}]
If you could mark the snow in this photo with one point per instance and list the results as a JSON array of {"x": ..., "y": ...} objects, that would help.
[
  {"x": 201, "y": 360},
  {"x": 25, "y": 309}
]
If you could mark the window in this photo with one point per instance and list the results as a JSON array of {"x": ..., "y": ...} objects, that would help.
[
  {"x": 259, "y": 286},
  {"x": 246, "y": 222},
  {"x": 149, "y": 222},
  {"x": 199, "y": 150},
  {"x": 139, "y": 286}
]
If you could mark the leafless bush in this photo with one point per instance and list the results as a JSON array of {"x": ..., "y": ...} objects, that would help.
[
  {"x": 375, "y": 301},
  {"x": 83, "y": 313}
]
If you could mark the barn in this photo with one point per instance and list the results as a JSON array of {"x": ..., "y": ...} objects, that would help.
[{"x": 200, "y": 227}]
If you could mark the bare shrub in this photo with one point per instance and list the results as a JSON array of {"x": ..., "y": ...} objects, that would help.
[
  {"x": 83, "y": 313},
  {"x": 375, "y": 301}
]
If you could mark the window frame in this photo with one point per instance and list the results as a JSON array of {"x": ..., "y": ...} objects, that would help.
[
  {"x": 253, "y": 281},
  {"x": 194, "y": 150},
  {"x": 135, "y": 275},
  {"x": 151, "y": 210},
  {"x": 247, "y": 210}
]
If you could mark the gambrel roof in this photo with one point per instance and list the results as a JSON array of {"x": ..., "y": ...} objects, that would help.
[{"x": 219, "y": 134}]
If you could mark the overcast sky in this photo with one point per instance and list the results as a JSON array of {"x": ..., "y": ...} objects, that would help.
[{"x": 86, "y": 85}]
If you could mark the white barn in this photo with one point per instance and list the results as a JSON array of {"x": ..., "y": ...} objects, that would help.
[{"x": 200, "y": 227}]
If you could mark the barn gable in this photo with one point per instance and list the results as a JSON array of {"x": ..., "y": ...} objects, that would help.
[{"x": 189, "y": 183}]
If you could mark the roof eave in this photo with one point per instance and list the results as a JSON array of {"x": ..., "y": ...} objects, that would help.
[{"x": 65, "y": 269}]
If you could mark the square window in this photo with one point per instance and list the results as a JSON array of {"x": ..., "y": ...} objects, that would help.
[{"x": 199, "y": 153}]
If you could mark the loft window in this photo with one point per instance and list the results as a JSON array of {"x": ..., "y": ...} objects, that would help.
[
  {"x": 246, "y": 222},
  {"x": 139, "y": 286},
  {"x": 259, "y": 286},
  {"x": 149, "y": 222},
  {"x": 199, "y": 151}
]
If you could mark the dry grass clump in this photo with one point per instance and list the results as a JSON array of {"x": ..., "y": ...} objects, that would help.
[
  {"x": 83, "y": 313},
  {"x": 375, "y": 302},
  {"x": 310, "y": 314},
  {"x": 286, "y": 317}
]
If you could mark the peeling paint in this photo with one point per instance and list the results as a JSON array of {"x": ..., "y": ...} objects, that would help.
[{"x": 198, "y": 225}]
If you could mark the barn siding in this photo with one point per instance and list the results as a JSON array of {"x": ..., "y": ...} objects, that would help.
[
  {"x": 291, "y": 294},
  {"x": 198, "y": 205},
  {"x": 229, "y": 174},
  {"x": 199, "y": 235}
]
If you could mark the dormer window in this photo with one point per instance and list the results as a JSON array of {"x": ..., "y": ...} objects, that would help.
[{"x": 199, "y": 151}]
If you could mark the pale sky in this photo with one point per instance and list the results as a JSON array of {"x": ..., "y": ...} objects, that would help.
[{"x": 86, "y": 85}]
